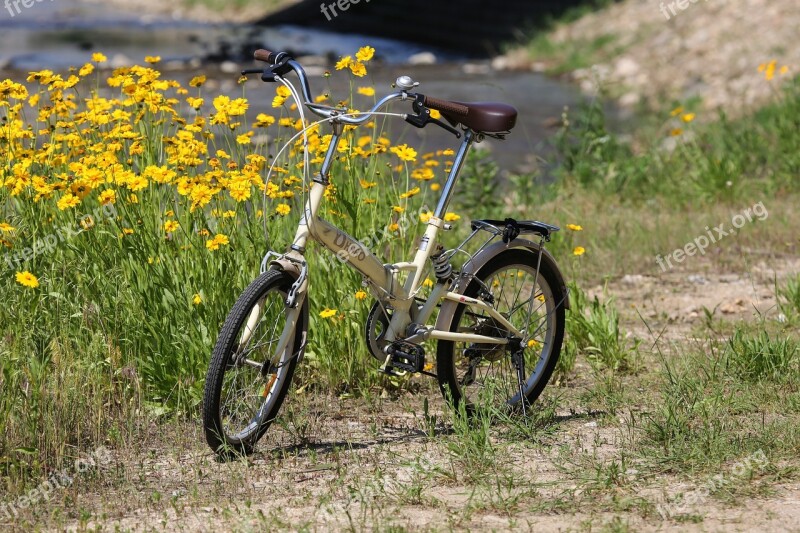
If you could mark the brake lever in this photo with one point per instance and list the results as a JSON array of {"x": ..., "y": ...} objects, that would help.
[
  {"x": 423, "y": 118},
  {"x": 446, "y": 127}
]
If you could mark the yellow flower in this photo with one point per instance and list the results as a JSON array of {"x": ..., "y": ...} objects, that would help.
[
  {"x": 448, "y": 152},
  {"x": 27, "y": 279},
  {"x": 688, "y": 117},
  {"x": 238, "y": 107},
  {"x": 68, "y": 201},
  {"x": 196, "y": 103},
  {"x": 404, "y": 152},
  {"x": 574, "y": 227},
  {"x": 358, "y": 69},
  {"x": 321, "y": 98},
  {"x": 5, "y": 227},
  {"x": 393, "y": 227},
  {"x": 87, "y": 69},
  {"x": 365, "y": 53},
  {"x": 427, "y": 283},
  {"x": 263, "y": 120},
  {"x": 366, "y": 184},
  {"x": 425, "y": 217},
  {"x": 217, "y": 241},
  {"x": 533, "y": 343},
  {"x": 197, "y": 81},
  {"x": 675, "y": 132},
  {"x": 97, "y": 57},
  {"x": 435, "y": 186},
  {"x": 244, "y": 138},
  {"x": 361, "y": 295},
  {"x": 152, "y": 59},
  {"x": 398, "y": 209},
  {"x": 451, "y": 217},
  {"x": 409, "y": 194},
  {"x": 197, "y": 299},
  {"x": 579, "y": 250},
  {"x": 278, "y": 101},
  {"x": 366, "y": 91},
  {"x": 677, "y": 111},
  {"x": 171, "y": 225},
  {"x": 423, "y": 174},
  {"x": 283, "y": 209},
  {"x": 328, "y": 313},
  {"x": 344, "y": 62},
  {"x": 784, "y": 70},
  {"x": 435, "y": 114}
]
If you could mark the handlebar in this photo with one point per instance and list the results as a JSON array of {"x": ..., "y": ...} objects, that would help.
[
  {"x": 265, "y": 55},
  {"x": 281, "y": 63}
]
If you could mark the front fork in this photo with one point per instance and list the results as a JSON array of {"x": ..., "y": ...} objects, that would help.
[{"x": 293, "y": 307}]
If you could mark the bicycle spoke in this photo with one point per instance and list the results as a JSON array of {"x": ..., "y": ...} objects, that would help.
[{"x": 488, "y": 375}]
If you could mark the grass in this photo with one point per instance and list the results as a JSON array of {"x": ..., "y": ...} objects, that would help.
[{"x": 111, "y": 347}]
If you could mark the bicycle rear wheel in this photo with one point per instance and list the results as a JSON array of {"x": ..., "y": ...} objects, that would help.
[
  {"x": 486, "y": 375},
  {"x": 247, "y": 380}
]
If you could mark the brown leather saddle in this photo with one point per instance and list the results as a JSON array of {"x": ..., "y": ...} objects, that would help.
[{"x": 480, "y": 117}]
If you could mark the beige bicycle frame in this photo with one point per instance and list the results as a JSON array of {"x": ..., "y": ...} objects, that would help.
[{"x": 384, "y": 278}]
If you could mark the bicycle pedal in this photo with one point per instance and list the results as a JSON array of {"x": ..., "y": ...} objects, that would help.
[
  {"x": 408, "y": 357},
  {"x": 390, "y": 371}
]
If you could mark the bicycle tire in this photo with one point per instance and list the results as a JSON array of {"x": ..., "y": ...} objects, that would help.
[
  {"x": 273, "y": 285},
  {"x": 450, "y": 355}
]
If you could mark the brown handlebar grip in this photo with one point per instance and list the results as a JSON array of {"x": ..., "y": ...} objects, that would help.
[
  {"x": 264, "y": 55},
  {"x": 447, "y": 106}
]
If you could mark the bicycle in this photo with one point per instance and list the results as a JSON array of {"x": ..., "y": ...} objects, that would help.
[{"x": 501, "y": 316}]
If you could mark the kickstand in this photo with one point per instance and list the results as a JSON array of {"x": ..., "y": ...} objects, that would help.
[{"x": 518, "y": 358}]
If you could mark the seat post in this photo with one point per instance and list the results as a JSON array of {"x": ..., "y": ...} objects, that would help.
[{"x": 444, "y": 201}]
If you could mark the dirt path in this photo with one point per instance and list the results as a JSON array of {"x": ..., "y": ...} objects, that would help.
[{"x": 379, "y": 464}]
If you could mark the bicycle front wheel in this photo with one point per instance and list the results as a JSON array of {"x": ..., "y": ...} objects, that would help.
[
  {"x": 488, "y": 375},
  {"x": 248, "y": 380}
]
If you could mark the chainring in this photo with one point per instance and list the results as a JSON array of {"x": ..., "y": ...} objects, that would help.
[{"x": 376, "y": 327}]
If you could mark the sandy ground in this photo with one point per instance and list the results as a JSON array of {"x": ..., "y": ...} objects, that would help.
[{"x": 345, "y": 464}]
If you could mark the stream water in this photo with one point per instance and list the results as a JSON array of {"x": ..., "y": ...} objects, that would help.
[{"x": 57, "y": 34}]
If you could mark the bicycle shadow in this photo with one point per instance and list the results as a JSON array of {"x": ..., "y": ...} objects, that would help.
[{"x": 403, "y": 435}]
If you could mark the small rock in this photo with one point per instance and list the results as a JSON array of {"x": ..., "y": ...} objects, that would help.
[
  {"x": 592, "y": 424},
  {"x": 120, "y": 60},
  {"x": 781, "y": 318},
  {"x": 633, "y": 279},
  {"x": 476, "y": 68},
  {"x": 729, "y": 278},
  {"x": 697, "y": 279},
  {"x": 315, "y": 70},
  {"x": 732, "y": 307},
  {"x": 626, "y": 68},
  {"x": 175, "y": 64},
  {"x": 629, "y": 100},
  {"x": 229, "y": 67},
  {"x": 422, "y": 58},
  {"x": 313, "y": 60}
]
